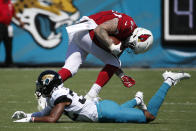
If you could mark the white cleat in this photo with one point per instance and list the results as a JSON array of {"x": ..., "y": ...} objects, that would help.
[
  {"x": 141, "y": 105},
  {"x": 175, "y": 77}
]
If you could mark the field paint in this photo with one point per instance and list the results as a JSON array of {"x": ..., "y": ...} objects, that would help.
[
  {"x": 185, "y": 120},
  {"x": 173, "y": 103}
]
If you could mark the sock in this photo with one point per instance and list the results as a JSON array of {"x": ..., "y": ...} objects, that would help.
[
  {"x": 138, "y": 101},
  {"x": 64, "y": 73},
  {"x": 105, "y": 74},
  {"x": 157, "y": 100},
  {"x": 169, "y": 81},
  {"x": 94, "y": 91}
]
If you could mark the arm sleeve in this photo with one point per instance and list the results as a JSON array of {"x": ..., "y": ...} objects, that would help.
[{"x": 44, "y": 112}]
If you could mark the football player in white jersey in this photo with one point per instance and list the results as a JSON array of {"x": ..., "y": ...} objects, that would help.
[{"x": 61, "y": 100}]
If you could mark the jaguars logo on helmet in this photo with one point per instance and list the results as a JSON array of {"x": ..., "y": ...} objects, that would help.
[{"x": 46, "y": 82}]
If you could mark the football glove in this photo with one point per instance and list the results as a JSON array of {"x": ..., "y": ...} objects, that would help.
[
  {"x": 27, "y": 119},
  {"x": 115, "y": 49},
  {"x": 127, "y": 81},
  {"x": 42, "y": 103},
  {"x": 20, "y": 115}
]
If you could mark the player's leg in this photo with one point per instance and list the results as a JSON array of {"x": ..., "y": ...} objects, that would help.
[
  {"x": 1, "y": 32},
  {"x": 74, "y": 58},
  {"x": 129, "y": 104},
  {"x": 158, "y": 98},
  {"x": 84, "y": 42},
  {"x": 109, "y": 111},
  {"x": 8, "y": 44},
  {"x": 103, "y": 77},
  {"x": 111, "y": 62},
  {"x": 137, "y": 101},
  {"x": 8, "y": 47}
]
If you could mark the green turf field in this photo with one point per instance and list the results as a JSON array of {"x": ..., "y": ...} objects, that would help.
[{"x": 178, "y": 112}]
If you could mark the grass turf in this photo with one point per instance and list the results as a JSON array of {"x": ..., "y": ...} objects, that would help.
[{"x": 176, "y": 114}]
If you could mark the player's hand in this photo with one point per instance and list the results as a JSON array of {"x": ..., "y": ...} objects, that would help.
[
  {"x": 116, "y": 49},
  {"x": 127, "y": 81},
  {"x": 19, "y": 115},
  {"x": 28, "y": 119}
]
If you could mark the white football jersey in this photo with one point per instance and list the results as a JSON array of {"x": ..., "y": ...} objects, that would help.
[{"x": 80, "y": 109}]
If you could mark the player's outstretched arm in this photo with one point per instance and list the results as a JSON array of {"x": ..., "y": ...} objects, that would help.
[{"x": 54, "y": 115}]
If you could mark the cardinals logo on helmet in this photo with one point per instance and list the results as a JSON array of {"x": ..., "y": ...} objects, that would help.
[{"x": 143, "y": 37}]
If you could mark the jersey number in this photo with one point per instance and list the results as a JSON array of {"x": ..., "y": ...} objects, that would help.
[
  {"x": 81, "y": 100},
  {"x": 118, "y": 15}
]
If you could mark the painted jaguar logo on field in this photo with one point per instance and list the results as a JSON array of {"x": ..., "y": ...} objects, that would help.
[{"x": 44, "y": 17}]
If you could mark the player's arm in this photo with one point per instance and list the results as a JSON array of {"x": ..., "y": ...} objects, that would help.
[
  {"x": 54, "y": 115},
  {"x": 103, "y": 31}
]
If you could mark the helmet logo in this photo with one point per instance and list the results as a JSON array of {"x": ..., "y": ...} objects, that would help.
[
  {"x": 143, "y": 37},
  {"x": 47, "y": 79}
]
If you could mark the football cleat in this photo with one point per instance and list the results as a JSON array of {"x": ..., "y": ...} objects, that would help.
[
  {"x": 175, "y": 77},
  {"x": 141, "y": 105}
]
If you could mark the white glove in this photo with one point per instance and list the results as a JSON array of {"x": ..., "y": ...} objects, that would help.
[
  {"x": 115, "y": 49},
  {"x": 28, "y": 119},
  {"x": 42, "y": 103},
  {"x": 19, "y": 115}
]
